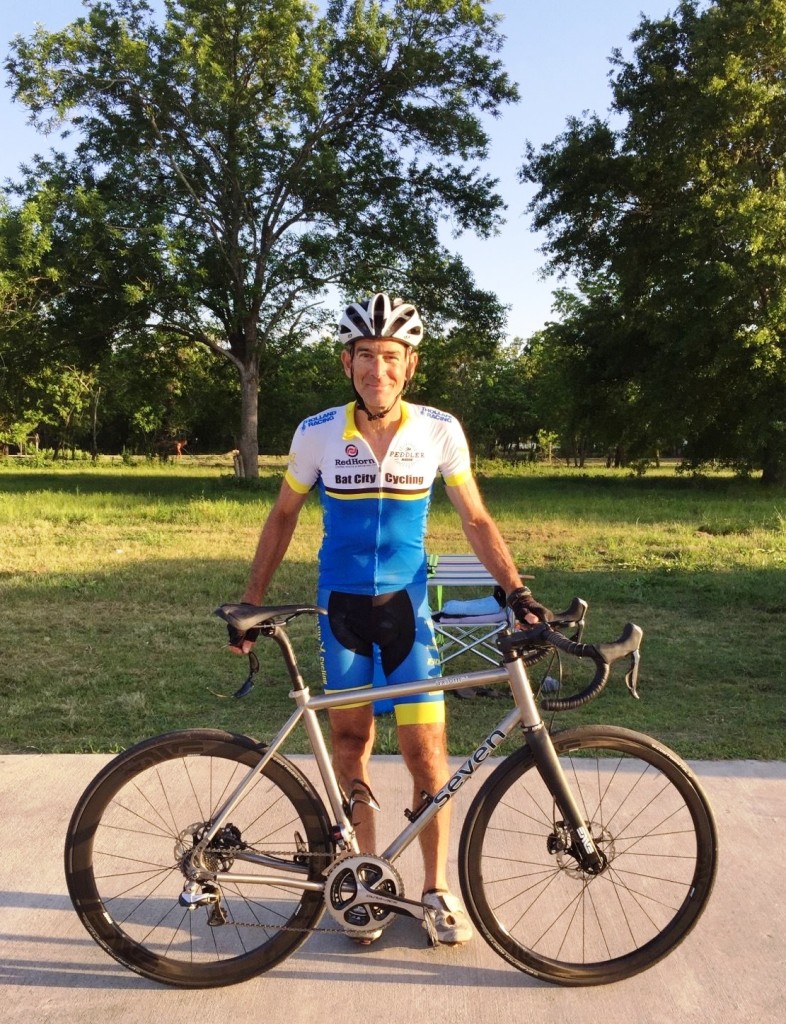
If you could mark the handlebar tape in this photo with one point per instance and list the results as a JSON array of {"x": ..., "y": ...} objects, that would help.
[{"x": 604, "y": 656}]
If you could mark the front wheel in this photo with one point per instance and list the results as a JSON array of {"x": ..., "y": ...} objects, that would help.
[
  {"x": 528, "y": 894},
  {"x": 132, "y": 846}
]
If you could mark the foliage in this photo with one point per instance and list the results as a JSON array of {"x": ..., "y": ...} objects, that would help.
[
  {"x": 306, "y": 380},
  {"x": 159, "y": 391},
  {"x": 235, "y": 160},
  {"x": 673, "y": 225}
]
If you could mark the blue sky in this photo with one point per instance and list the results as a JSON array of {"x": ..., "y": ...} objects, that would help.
[{"x": 556, "y": 50}]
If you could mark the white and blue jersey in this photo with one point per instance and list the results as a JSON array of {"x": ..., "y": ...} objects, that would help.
[
  {"x": 374, "y": 514},
  {"x": 372, "y": 563}
]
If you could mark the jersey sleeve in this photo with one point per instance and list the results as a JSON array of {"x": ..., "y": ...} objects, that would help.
[
  {"x": 302, "y": 470},
  {"x": 455, "y": 467}
]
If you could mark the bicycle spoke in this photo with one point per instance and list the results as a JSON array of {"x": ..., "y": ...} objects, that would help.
[
  {"x": 527, "y": 889},
  {"x": 138, "y": 841}
]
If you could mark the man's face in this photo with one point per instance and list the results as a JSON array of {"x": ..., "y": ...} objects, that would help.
[{"x": 380, "y": 367}]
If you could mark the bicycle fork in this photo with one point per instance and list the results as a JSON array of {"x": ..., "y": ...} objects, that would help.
[{"x": 582, "y": 846}]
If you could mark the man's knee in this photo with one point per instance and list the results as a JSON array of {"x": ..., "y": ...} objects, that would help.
[
  {"x": 424, "y": 750},
  {"x": 351, "y": 734}
]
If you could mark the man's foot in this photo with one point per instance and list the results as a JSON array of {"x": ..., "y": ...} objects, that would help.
[{"x": 450, "y": 918}]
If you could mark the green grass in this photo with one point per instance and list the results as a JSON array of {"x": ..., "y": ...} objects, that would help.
[{"x": 109, "y": 574}]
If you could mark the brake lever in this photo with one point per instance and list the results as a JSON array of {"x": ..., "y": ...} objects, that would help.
[{"x": 632, "y": 675}]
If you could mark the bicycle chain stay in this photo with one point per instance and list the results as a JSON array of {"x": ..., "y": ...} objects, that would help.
[
  {"x": 271, "y": 927},
  {"x": 231, "y": 922}
]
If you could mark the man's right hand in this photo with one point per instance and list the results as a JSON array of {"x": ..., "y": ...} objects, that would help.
[{"x": 240, "y": 641}]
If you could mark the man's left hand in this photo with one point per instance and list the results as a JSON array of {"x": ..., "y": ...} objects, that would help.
[{"x": 526, "y": 608}]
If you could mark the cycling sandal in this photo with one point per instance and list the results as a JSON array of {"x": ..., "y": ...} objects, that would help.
[{"x": 449, "y": 917}]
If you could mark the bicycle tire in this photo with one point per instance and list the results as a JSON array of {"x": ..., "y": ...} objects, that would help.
[
  {"x": 531, "y": 900},
  {"x": 133, "y": 827}
]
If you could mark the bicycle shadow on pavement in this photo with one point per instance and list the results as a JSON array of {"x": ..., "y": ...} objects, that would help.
[{"x": 401, "y": 956}]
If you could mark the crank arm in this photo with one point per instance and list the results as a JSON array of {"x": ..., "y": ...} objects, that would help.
[{"x": 397, "y": 904}]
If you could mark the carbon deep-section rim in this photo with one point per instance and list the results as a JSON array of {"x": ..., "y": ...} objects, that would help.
[
  {"x": 128, "y": 847},
  {"x": 529, "y": 897}
]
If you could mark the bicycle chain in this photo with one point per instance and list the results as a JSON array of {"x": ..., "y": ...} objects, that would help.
[
  {"x": 281, "y": 927},
  {"x": 278, "y": 927}
]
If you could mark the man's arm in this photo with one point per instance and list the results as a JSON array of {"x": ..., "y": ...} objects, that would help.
[
  {"x": 488, "y": 544},
  {"x": 271, "y": 548},
  {"x": 483, "y": 534},
  {"x": 273, "y": 542}
]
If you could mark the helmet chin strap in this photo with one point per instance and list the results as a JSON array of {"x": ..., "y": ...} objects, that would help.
[{"x": 374, "y": 415}]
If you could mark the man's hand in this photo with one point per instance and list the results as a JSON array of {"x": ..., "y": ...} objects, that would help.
[
  {"x": 240, "y": 641},
  {"x": 526, "y": 609}
]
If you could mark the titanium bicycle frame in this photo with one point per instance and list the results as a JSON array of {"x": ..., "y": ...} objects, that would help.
[{"x": 525, "y": 712}]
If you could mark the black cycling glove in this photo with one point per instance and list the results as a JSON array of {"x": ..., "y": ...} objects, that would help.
[
  {"x": 237, "y": 636},
  {"x": 521, "y": 603}
]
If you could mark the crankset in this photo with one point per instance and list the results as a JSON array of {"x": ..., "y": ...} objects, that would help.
[{"x": 364, "y": 893}]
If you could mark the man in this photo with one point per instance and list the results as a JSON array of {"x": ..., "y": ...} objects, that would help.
[{"x": 374, "y": 463}]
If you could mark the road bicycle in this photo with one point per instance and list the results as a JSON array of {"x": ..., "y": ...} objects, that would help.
[{"x": 202, "y": 858}]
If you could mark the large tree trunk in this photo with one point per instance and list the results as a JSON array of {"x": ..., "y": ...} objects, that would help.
[
  {"x": 774, "y": 466},
  {"x": 249, "y": 421}
]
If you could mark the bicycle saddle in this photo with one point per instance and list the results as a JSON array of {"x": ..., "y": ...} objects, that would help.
[{"x": 249, "y": 616}]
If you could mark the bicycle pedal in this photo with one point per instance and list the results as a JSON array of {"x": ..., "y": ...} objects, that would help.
[{"x": 431, "y": 929}]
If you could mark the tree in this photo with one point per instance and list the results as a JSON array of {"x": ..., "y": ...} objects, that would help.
[
  {"x": 158, "y": 391},
  {"x": 243, "y": 156},
  {"x": 20, "y": 249},
  {"x": 61, "y": 304},
  {"x": 486, "y": 386},
  {"x": 24, "y": 287},
  {"x": 682, "y": 210}
]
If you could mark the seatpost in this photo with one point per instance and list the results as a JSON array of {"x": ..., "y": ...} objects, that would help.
[
  {"x": 279, "y": 634},
  {"x": 343, "y": 833}
]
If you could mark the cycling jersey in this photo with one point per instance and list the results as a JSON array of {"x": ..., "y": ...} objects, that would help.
[{"x": 374, "y": 514}]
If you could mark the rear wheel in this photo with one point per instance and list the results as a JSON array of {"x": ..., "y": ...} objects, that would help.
[
  {"x": 527, "y": 892},
  {"x": 130, "y": 851}
]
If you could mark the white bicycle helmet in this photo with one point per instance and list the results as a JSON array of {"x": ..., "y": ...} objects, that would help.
[{"x": 381, "y": 317}]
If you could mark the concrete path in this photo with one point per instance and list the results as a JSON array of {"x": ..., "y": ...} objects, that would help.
[{"x": 732, "y": 968}]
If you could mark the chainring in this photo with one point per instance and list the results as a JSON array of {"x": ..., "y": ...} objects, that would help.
[{"x": 348, "y": 885}]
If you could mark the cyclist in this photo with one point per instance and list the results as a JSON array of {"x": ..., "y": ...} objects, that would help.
[{"x": 374, "y": 462}]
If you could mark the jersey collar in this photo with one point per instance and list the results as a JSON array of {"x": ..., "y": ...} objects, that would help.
[{"x": 350, "y": 427}]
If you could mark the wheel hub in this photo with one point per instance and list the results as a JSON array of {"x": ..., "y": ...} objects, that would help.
[
  {"x": 560, "y": 845},
  {"x": 195, "y": 862}
]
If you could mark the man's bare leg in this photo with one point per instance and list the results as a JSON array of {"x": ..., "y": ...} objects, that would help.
[
  {"x": 425, "y": 753},
  {"x": 351, "y": 740}
]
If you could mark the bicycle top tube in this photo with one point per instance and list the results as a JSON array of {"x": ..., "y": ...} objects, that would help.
[
  {"x": 527, "y": 644},
  {"x": 483, "y": 677}
]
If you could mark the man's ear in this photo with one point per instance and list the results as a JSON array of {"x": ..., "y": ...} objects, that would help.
[
  {"x": 346, "y": 362},
  {"x": 412, "y": 366}
]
